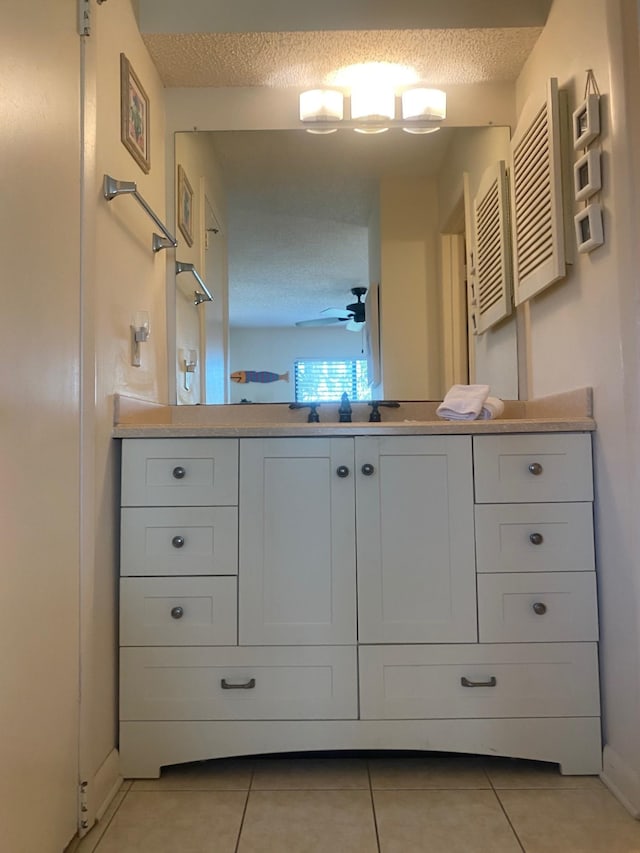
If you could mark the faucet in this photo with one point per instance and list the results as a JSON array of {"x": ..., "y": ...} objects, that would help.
[
  {"x": 374, "y": 417},
  {"x": 344, "y": 412},
  {"x": 313, "y": 417}
]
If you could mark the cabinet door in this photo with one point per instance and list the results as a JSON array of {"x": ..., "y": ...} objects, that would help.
[
  {"x": 297, "y": 542},
  {"x": 416, "y": 562}
]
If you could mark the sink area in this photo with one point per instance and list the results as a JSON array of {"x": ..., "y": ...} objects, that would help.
[{"x": 572, "y": 410}]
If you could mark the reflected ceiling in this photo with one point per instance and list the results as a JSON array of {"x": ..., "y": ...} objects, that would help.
[{"x": 299, "y": 208}]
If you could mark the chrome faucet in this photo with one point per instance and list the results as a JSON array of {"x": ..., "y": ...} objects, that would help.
[{"x": 344, "y": 412}]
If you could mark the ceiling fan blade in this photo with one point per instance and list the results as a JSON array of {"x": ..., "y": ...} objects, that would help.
[
  {"x": 336, "y": 312},
  {"x": 323, "y": 321},
  {"x": 352, "y": 326}
]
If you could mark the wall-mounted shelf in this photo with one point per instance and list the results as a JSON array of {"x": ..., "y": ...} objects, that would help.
[{"x": 113, "y": 188}]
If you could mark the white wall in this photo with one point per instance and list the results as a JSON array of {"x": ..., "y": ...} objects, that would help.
[
  {"x": 410, "y": 308},
  {"x": 584, "y": 331},
  {"x": 495, "y": 352},
  {"x": 194, "y": 152},
  {"x": 39, "y": 424},
  {"x": 276, "y": 350}
]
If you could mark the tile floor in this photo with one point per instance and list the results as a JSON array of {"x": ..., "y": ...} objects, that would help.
[{"x": 365, "y": 804}]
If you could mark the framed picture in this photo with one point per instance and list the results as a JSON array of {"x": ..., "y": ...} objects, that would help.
[
  {"x": 586, "y": 122},
  {"x": 134, "y": 115},
  {"x": 588, "y": 225},
  {"x": 587, "y": 179},
  {"x": 185, "y": 206}
]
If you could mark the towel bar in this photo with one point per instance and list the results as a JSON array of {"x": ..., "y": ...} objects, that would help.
[{"x": 113, "y": 188}]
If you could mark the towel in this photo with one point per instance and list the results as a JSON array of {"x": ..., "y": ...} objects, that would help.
[
  {"x": 463, "y": 402},
  {"x": 493, "y": 408}
]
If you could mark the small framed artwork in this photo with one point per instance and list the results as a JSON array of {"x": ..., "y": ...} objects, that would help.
[
  {"x": 586, "y": 122},
  {"x": 587, "y": 178},
  {"x": 134, "y": 115},
  {"x": 588, "y": 225},
  {"x": 185, "y": 206}
]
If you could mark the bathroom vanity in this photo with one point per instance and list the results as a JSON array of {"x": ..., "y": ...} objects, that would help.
[{"x": 415, "y": 584}]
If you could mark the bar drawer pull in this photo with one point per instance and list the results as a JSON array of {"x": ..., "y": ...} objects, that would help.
[
  {"x": 248, "y": 685},
  {"x": 490, "y": 683}
]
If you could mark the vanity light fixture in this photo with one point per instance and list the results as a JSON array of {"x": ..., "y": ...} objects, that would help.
[
  {"x": 189, "y": 359},
  {"x": 321, "y": 106},
  {"x": 419, "y": 104},
  {"x": 372, "y": 109},
  {"x": 140, "y": 332}
]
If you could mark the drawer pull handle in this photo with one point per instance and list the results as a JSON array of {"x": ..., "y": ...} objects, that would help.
[
  {"x": 342, "y": 471},
  {"x": 536, "y": 538},
  {"x": 367, "y": 469},
  {"x": 539, "y": 608},
  {"x": 177, "y": 541},
  {"x": 178, "y": 472},
  {"x": 535, "y": 468},
  {"x": 248, "y": 685},
  {"x": 490, "y": 683},
  {"x": 177, "y": 612}
]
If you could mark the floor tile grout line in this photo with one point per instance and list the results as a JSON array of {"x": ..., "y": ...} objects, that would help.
[
  {"x": 373, "y": 808},
  {"x": 504, "y": 811},
  {"x": 244, "y": 810}
]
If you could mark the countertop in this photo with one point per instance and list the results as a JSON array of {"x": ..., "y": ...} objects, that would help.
[{"x": 571, "y": 411}]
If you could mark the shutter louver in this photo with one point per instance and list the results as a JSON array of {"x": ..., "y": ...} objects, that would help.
[
  {"x": 536, "y": 198},
  {"x": 493, "y": 249}
]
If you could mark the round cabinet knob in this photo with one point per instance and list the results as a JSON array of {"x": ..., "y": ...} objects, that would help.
[
  {"x": 536, "y": 538},
  {"x": 178, "y": 612},
  {"x": 367, "y": 469},
  {"x": 177, "y": 541},
  {"x": 535, "y": 468},
  {"x": 178, "y": 472},
  {"x": 539, "y": 608},
  {"x": 342, "y": 471}
]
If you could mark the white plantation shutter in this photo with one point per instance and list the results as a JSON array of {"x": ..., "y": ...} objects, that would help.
[
  {"x": 536, "y": 198},
  {"x": 493, "y": 272}
]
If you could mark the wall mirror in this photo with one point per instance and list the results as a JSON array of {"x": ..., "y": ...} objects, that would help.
[{"x": 294, "y": 221}]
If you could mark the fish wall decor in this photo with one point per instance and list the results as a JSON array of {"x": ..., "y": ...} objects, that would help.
[{"x": 244, "y": 376}]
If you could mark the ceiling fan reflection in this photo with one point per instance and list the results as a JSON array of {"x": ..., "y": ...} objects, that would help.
[{"x": 351, "y": 316}]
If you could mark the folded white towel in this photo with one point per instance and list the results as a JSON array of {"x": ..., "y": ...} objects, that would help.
[
  {"x": 493, "y": 408},
  {"x": 463, "y": 402}
]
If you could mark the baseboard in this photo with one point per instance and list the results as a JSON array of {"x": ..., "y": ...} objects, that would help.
[
  {"x": 621, "y": 780},
  {"x": 107, "y": 782}
]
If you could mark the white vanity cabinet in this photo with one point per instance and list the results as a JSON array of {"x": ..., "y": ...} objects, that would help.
[
  {"x": 414, "y": 523},
  {"x": 356, "y": 592},
  {"x": 402, "y": 508}
]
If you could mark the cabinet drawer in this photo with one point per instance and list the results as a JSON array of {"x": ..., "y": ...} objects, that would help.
[
  {"x": 286, "y": 683},
  {"x": 532, "y": 680},
  {"x": 179, "y": 541},
  {"x": 178, "y": 611},
  {"x": 534, "y": 537},
  {"x": 179, "y": 472},
  {"x": 532, "y": 468},
  {"x": 537, "y": 608}
]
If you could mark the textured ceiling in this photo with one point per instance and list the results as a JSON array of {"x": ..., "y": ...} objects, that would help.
[
  {"x": 298, "y": 209},
  {"x": 305, "y": 59}
]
